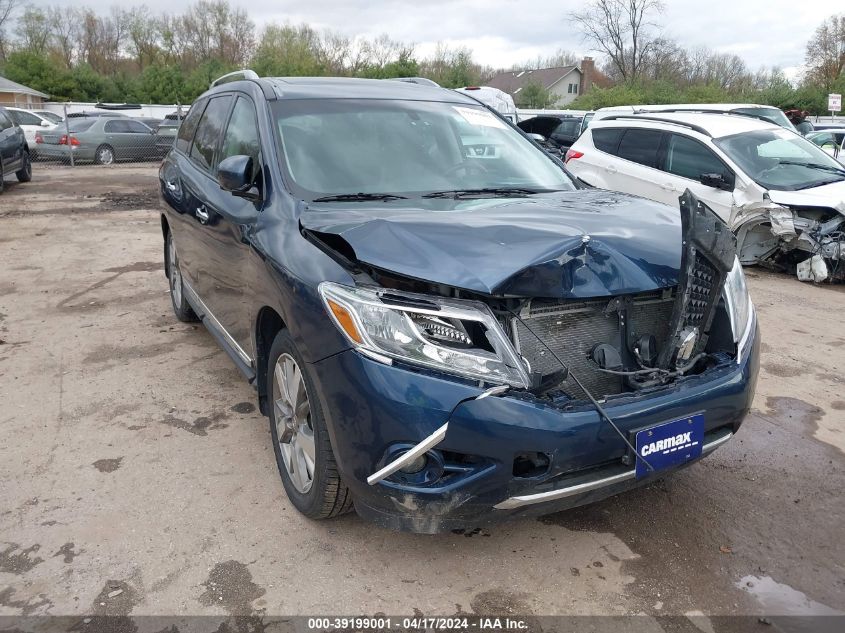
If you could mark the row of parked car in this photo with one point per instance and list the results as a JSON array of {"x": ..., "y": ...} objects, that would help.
[
  {"x": 781, "y": 193},
  {"x": 100, "y": 137}
]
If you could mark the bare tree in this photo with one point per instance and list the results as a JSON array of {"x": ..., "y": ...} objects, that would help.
[
  {"x": 622, "y": 30},
  {"x": 65, "y": 28},
  {"x": 7, "y": 10},
  {"x": 33, "y": 31},
  {"x": 826, "y": 51}
]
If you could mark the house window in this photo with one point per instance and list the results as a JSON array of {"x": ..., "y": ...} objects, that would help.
[
  {"x": 569, "y": 90},
  {"x": 575, "y": 88}
]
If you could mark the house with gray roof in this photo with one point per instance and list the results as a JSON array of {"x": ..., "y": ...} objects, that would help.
[
  {"x": 564, "y": 83},
  {"x": 18, "y": 95}
]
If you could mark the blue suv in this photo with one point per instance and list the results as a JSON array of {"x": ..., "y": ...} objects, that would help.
[{"x": 443, "y": 326}]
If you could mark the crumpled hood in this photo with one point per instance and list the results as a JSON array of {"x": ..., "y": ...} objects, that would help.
[
  {"x": 832, "y": 196},
  {"x": 574, "y": 244}
]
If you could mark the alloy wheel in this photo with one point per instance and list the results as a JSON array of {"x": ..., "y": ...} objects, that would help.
[{"x": 294, "y": 430}]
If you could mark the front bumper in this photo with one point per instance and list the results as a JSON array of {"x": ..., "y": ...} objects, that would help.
[{"x": 374, "y": 410}]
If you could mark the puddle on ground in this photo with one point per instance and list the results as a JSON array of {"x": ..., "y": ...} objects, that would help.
[{"x": 778, "y": 599}]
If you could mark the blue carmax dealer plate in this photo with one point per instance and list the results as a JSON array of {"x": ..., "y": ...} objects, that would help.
[{"x": 670, "y": 444}]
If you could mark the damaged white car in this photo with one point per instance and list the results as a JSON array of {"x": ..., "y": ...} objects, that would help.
[{"x": 782, "y": 195}]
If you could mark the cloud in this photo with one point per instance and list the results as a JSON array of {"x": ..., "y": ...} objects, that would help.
[{"x": 504, "y": 32}]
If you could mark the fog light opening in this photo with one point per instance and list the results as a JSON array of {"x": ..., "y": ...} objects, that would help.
[{"x": 416, "y": 465}]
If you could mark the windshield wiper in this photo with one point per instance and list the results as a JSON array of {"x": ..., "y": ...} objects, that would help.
[
  {"x": 347, "y": 197},
  {"x": 495, "y": 191},
  {"x": 831, "y": 168}
]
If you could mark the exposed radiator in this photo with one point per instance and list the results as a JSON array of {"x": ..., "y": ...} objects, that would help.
[{"x": 572, "y": 328}]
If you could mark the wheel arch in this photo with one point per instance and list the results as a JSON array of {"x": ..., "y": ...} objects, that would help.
[
  {"x": 165, "y": 230},
  {"x": 268, "y": 324}
]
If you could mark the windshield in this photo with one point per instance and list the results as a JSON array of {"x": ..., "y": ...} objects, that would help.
[
  {"x": 773, "y": 115},
  {"x": 407, "y": 148},
  {"x": 781, "y": 160}
]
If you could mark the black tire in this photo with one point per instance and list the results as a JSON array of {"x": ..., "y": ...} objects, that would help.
[
  {"x": 328, "y": 496},
  {"x": 2, "y": 178},
  {"x": 101, "y": 154},
  {"x": 181, "y": 308},
  {"x": 24, "y": 174}
]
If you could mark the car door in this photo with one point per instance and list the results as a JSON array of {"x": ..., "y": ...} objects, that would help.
[
  {"x": 142, "y": 140},
  {"x": 684, "y": 161},
  {"x": 226, "y": 282},
  {"x": 177, "y": 179},
  {"x": 637, "y": 170},
  {"x": 116, "y": 133},
  {"x": 202, "y": 193}
]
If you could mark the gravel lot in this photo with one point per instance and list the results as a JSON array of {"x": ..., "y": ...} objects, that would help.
[{"x": 133, "y": 458}]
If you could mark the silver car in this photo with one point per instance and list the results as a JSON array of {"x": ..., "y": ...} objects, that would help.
[{"x": 103, "y": 140}]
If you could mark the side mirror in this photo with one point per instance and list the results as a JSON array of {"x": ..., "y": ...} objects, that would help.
[
  {"x": 717, "y": 181},
  {"x": 537, "y": 138},
  {"x": 46, "y": 124},
  {"x": 234, "y": 175}
]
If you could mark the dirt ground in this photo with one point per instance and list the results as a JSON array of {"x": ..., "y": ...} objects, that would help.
[{"x": 133, "y": 460}]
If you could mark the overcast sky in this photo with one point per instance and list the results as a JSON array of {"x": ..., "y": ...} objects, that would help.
[{"x": 502, "y": 32}]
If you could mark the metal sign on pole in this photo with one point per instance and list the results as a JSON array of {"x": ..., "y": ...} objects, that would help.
[{"x": 834, "y": 104}]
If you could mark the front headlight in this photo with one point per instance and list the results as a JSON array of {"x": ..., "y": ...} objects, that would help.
[
  {"x": 737, "y": 300},
  {"x": 453, "y": 336}
]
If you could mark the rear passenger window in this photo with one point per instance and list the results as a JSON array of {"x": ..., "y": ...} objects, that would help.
[
  {"x": 640, "y": 146},
  {"x": 209, "y": 131},
  {"x": 688, "y": 158},
  {"x": 115, "y": 127},
  {"x": 606, "y": 139},
  {"x": 189, "y": 126},
  {"x": 5, "y": 121}
]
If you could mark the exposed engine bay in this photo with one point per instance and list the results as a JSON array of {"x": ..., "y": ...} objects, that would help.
[{"x": 809, "y": 241}]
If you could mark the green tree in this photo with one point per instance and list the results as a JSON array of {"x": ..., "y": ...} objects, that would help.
[{"x": 533, "y": 95}]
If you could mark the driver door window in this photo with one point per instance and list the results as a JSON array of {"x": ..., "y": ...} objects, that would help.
[{"x": 242, "y": 135}]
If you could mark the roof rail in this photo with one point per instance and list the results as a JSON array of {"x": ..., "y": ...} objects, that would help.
[
  {"x": 638, "y": 117},
  {"x": 423, "y": 81},
  {"x": 238, "y": 75},
  {"x": 750, "y": 115}
]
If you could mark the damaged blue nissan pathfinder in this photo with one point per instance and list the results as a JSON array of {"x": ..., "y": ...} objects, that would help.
[{"x": 443, "y": 326}]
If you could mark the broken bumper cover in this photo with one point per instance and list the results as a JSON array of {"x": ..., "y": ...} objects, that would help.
[{"x": 376, "y": 411}]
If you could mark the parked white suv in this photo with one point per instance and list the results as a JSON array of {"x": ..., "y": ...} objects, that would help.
[{"x": 782, "y": 195}]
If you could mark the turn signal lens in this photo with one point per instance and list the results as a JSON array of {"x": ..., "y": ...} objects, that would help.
[
  {"x": 572, "y": 154},
  {"x": 345, "y": 321}
]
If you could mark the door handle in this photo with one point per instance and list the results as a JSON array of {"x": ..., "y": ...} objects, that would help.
[
  {"x": 202, "y": 214},
  {"x": 610, "y": 169},
  {"x": 668, "y": 186}
]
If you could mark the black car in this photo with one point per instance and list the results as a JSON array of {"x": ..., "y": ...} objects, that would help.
[
  {"x": 14, "y": 153},
  {"x": 560, "y": 131},
  {"x": 445, "y": 328}
]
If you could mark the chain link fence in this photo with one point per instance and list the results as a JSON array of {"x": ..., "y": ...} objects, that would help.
[{"x": 83, "y": 134}]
